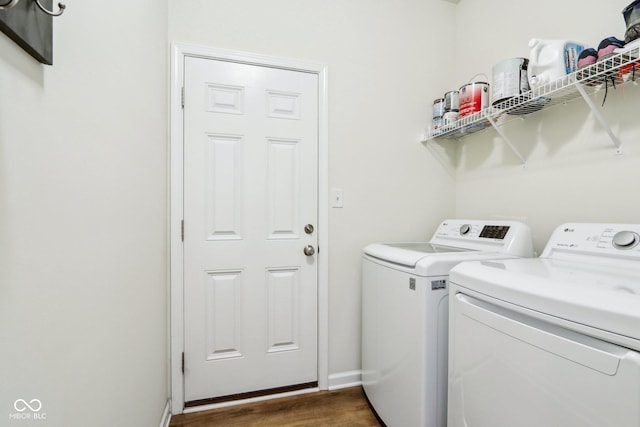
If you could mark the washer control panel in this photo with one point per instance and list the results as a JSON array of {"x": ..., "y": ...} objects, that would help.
[
  {"x": 474, "y": 229},
  {"x": 617, "y": 240},
  {"x": 511, "y": 237}
]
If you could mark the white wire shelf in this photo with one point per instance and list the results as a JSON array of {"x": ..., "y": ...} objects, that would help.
[{"x": 605, "y": 75}]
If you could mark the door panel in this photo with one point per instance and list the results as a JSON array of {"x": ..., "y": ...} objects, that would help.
[
  {"x": 224, "y": 186},
  {"x": 250, "y": 186}
]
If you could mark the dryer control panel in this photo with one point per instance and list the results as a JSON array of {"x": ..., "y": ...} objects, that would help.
[{"x": 614, "y": 240}]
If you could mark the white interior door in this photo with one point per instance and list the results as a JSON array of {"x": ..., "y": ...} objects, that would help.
[{"x": 250, "y": 190}]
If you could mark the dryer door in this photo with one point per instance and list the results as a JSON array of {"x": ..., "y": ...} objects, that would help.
[{"x": 507, "y": 369}]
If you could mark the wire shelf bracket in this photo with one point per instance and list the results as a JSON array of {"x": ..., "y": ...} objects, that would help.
[
  {"x": 507, "y": 140},
  {"x": 598, "y": 115}
]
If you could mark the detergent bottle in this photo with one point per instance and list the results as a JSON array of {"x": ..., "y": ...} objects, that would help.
[{"x": 552, "y": 59}]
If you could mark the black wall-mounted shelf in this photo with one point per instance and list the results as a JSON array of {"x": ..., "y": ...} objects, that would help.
[{"x": 30, "y": 28}]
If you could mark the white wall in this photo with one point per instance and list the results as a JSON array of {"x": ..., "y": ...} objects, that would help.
[
  {"x": 572, "y": 171},
  {"x": 383, "y": 57},
  {"x": 83, "y": 152}
]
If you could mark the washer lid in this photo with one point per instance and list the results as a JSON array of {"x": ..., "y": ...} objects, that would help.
[
  {"x": 605, "y": 297},
  {"x": 407, "y": 254},
  {"x": 425, "y": 259}
]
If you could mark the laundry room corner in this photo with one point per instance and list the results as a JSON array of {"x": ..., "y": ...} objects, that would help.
[{"x": 571, "y": 168}]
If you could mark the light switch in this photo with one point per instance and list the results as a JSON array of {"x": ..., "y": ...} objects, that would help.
[{"x": 336, "y": 198}]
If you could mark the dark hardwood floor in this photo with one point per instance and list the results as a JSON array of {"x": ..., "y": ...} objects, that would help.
[{"x": 341, "y": 408}]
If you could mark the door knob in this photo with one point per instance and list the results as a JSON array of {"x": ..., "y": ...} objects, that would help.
[{"x": 309, "y": 250}]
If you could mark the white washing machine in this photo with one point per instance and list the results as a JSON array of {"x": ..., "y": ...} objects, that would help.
[
  {"x": 552, "y": 341},
  {"x": 405, "y": 309}
]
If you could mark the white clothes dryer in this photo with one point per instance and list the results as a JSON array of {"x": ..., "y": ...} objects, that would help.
[
  {"x": 405, "y": 314},
  {"x": 553, "y": 341}
]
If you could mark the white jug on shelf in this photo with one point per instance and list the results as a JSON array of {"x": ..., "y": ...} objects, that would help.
[{"x": 552, "y": 59}]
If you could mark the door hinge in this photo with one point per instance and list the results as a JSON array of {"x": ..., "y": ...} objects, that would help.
[
  {"x": 182, "y": 97},
  {"x": 183, "y": 362},
  {"x": 182, "y": 230}
]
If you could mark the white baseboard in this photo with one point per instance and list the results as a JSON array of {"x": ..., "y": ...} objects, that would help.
[
  {"x": 166, "y": 415},
  {"x": 345, "y": 379}
]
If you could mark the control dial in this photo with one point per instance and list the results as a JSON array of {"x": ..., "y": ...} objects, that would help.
[
  {"x": 625, "y": 240},
  {"x": 465, "y": 229}
]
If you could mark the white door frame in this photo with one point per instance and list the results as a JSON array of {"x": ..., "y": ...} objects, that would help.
[{"x": 176, "y": 204}]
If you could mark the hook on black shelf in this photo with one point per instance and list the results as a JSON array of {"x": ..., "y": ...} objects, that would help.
[
  {"x": 8, "y": 4},
  {"x": 61, "y": 8}
]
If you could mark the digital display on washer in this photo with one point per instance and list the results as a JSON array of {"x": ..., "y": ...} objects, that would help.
[{"x": 494, "y": 231}]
